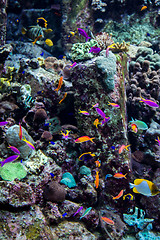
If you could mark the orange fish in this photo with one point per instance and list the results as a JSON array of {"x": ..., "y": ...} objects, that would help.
[
  {"x": 20, "y": 131},
  {"x": 119, "y": 195},
  {"x": 119, "y": 175},
  {"x": 134, "y": 127},
  {"x": 36, "y": 39},
  {"x": 59, "y": 84},
  {"x": 96, "y": 122},
  {"x": 97, "y": 179},
  {"x": 65, "y": 95},
  {"x": 98, "y": 163},
  {"x": 83, "y": 139},
  {"x": 122, "y": 148},
  {"x": 143, "y": 8},
  {"x": 107, "y": 220}
]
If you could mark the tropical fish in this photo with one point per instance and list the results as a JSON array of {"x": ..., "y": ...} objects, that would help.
[
  {"x": 113, "y": 105},
  {"x": 49, "y": 30},
  {"x": 51, "y": 142},
  {"x": 150, "y": 103},
  {"x": 144, "y": 187},
  {"x": 33, "y": 32},
  {"x": 95, "y": 105},
  {"x": 123, "y": 147},
  {"x": 106, "y": 119},
  {"x": 140, "y": 124},
  {"x": 95, "y": 49},
  {"x": 98, "y": 163},
  {"x": 49, "y": 42},
  {"x": 83, "y": 33},
  {"x": 9, "y": 159},
  {"x": 134, "y": 128},
  {"x": 47, "y": 124},
  {"x": 73, "y": 65},
  {"x": 113, "y": 147},
  {"x": 3, "y": 124},
  {"x": 87, "y": 155},
  {"x": 119, "y": 195},
  {"x": 96, "y": 122},
  {"x": 65, "y": 95},
  {"x": 29, "y": 144},
  {"x": 63, "y": 215},
  {"x": 14, "y": 149},
  {"x": 158, "y": 140},
  {"x": 42, "y": 22},
  {"x": 108, "y": 175},
  {"x": 84, "y": 112},
  {"x": 78, "y": 211},
  {"x": 37, "y": 39},
  {"x": 107, "y": 220},
  {"x": 100, "y": 112},
  {"x": 20, "y": 131},
  {"x": 86, "y": 212},
  {"x": 59, "y": 84},
  {"x": 143, "y": 8},
  {"x": 42, "y": 54},
  {"x": 119, "y": 175},
  {"x": 39, "y": 92},
  {"x": 96, "y": 182},
  {"x": 84, "y": 139},
  {"x": 72, "y": 33},
  {"x": 128, "y": 196},
  {"x": 65, "y": 135},
  {"x": 52, "y": 175}
]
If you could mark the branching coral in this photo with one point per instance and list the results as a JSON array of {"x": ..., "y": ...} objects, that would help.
[
  {"x": 120, "y": 47},
  {"x": 104, "y": 40}
]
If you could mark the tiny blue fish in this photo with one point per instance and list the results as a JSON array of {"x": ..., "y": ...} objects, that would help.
[
  {"x": 113, "y": 147},
  {"x": 108, "y": 175},
  {"x": 39, "y": 92},
  {"x": 47, "y": 124},
  {"x": 21, "y": 160},
  {"x": 23, "y": 72},
  {"x": 147, "y": 34},
  {"x": 63, "y": 215},
  {"x": 52, "y": 175},
  {"x": 51, "y": 142},
  {"x": 61, "y": 57},
  {"x": 42, "y": 54}
]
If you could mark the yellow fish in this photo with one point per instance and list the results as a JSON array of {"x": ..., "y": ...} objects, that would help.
[
  {"x": 144, "y": 187},
  {"x": 49, "y": 42},
  {"x": 96, "y": 122}
]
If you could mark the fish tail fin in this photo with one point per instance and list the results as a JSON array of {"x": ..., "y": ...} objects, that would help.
[
  {"x": 92, "y": 139},
  {"x": 1, "y": 164},
  {"x": 109, "y": 103},
  {"x": 127, "y": 147},
  {"x": 131, "y": 185},
  {"x": 87, "y": 38},
  {"x": 125, "y": 175}
]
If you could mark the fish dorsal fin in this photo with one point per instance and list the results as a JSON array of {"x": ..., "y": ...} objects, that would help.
[
  {"x": 138, "y": 181},
  {"x": 135, "y": 190}
]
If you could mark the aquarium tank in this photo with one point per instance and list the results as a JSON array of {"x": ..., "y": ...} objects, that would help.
[{"x": 80, "y": 120}]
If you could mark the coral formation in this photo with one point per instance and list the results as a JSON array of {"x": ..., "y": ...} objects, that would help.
[
  {"x": 12, "y": 171},
  {"x": 104, "y": 40},
  {"x": 54, "y": 192},
  {"x": 68, "y": 180},
  {"x": 120, "y": 47}
]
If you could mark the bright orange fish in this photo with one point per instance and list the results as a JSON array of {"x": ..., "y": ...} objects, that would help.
[
  {"x": 122, "y": 148},
  {"x": 134, "y": 127},
  {"x": 96, "y": 122},
  {"x": 98, "y": 163},
  {"x": 59, "y": 84},
  {"x": 20, "y": 131},
  {"x": 119, "y": 175},
  {"x": 96, "y": 182},
  {"x": 65, "y": 95},
  {"x": 119, "y": 195},
  {"x": 83, "y": 139},
  {"x": 143, "y": 8},
  {"x": 107, "y": 220}
]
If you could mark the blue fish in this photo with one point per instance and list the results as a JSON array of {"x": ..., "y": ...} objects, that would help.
[
  {"x": 63, "y": 215},
  {"x": 23, "y": 72},
  {"x": 113, "y": 147},
  {"x": 108, "y": 175},
  {"x": 52, "y": 175},
  {"x": 21, "y": 160},
  {"x": 42, "y": 54},
  {"x": 39, "y": 92},
  {"x": 47, "y": 124},
  {"x": 147, "y": 34},
  {"x": 51, "y": 142}
]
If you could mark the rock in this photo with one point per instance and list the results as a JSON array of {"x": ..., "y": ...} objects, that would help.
[
  {"x": 68, "y": 180},
  {"x": 52, "y": 212},
  {"x": 12, "y": 170},
  {"x": 16, "y": 194},
  {"x": 5, "y": 51},
  {"x": 85, "y": 170},
  {"x": 12, "y": 137},
  {"x": 54, "y": 192},
  {"x": 71, "y": 230}
]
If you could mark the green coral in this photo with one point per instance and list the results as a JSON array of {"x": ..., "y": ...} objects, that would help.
[
  {"x": 68, "y": 180},
  {"x": 85, "y": 170},
  {"x": 11, "y": 171},
  {"x": 80, "y": 51}
]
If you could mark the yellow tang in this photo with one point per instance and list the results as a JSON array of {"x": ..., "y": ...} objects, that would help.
[
  {"x": 144, "y": 187},
  {"x": 49, "y": 42}
]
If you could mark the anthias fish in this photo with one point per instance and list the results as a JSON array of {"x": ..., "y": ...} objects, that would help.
[
  {"x": 83, "y": 139},
  {"x": 86, "y": 212},
  {"x": 65, "y": 135},
  {"x": 158, "y": 140},
  {"x": 113, "y": 104},
  {"x": 29, "y": 144},
  {"x": 150, "y": 103},
  {"x": 119, "y": 175},
  {"x": 108, "y": 220},
  {"x": 84, "y": 112},
  {"x": 96, "y": 182},
  {"x": 59, "y": 84},
  {"x": 83, "y": 33},
  {"x": 95, "y": 49},
  {"x": 144, "y": 187},
  {"x": 9, "y": 159},
  {"x": 119, "y": 195},
  {"x": 96, "y": 122},
  {"x": 65, "y": 95},
  {"x": 14, "y": 149},
  {"x": 78, "y": 211},
  {"x": 20, "y": 131},
  {"x": 101, "y": 113},
  {"x": 3, "y": 124},
  {"x": 122, "y": 148}
]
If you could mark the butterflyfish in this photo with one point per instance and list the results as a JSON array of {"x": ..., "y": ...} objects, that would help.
[{"x": 144, "y": 187}]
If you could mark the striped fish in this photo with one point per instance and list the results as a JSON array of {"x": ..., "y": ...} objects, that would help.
[{"x": 33, "y": 32}]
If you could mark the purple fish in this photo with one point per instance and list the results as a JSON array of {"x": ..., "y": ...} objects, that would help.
[
  {"x": 14, "y": 149},
  {"x": 106, "y": 119},
  {"x": 95, "y": 49},
  {"x": 9, "y": 159},
  {"x": 3, "y": 124},
  {"x": 78, "y": 211},
  {"x": 100, "y": 112},
  {"x": 83, "y": 33},
  {"x": 149, "y": 103}
]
